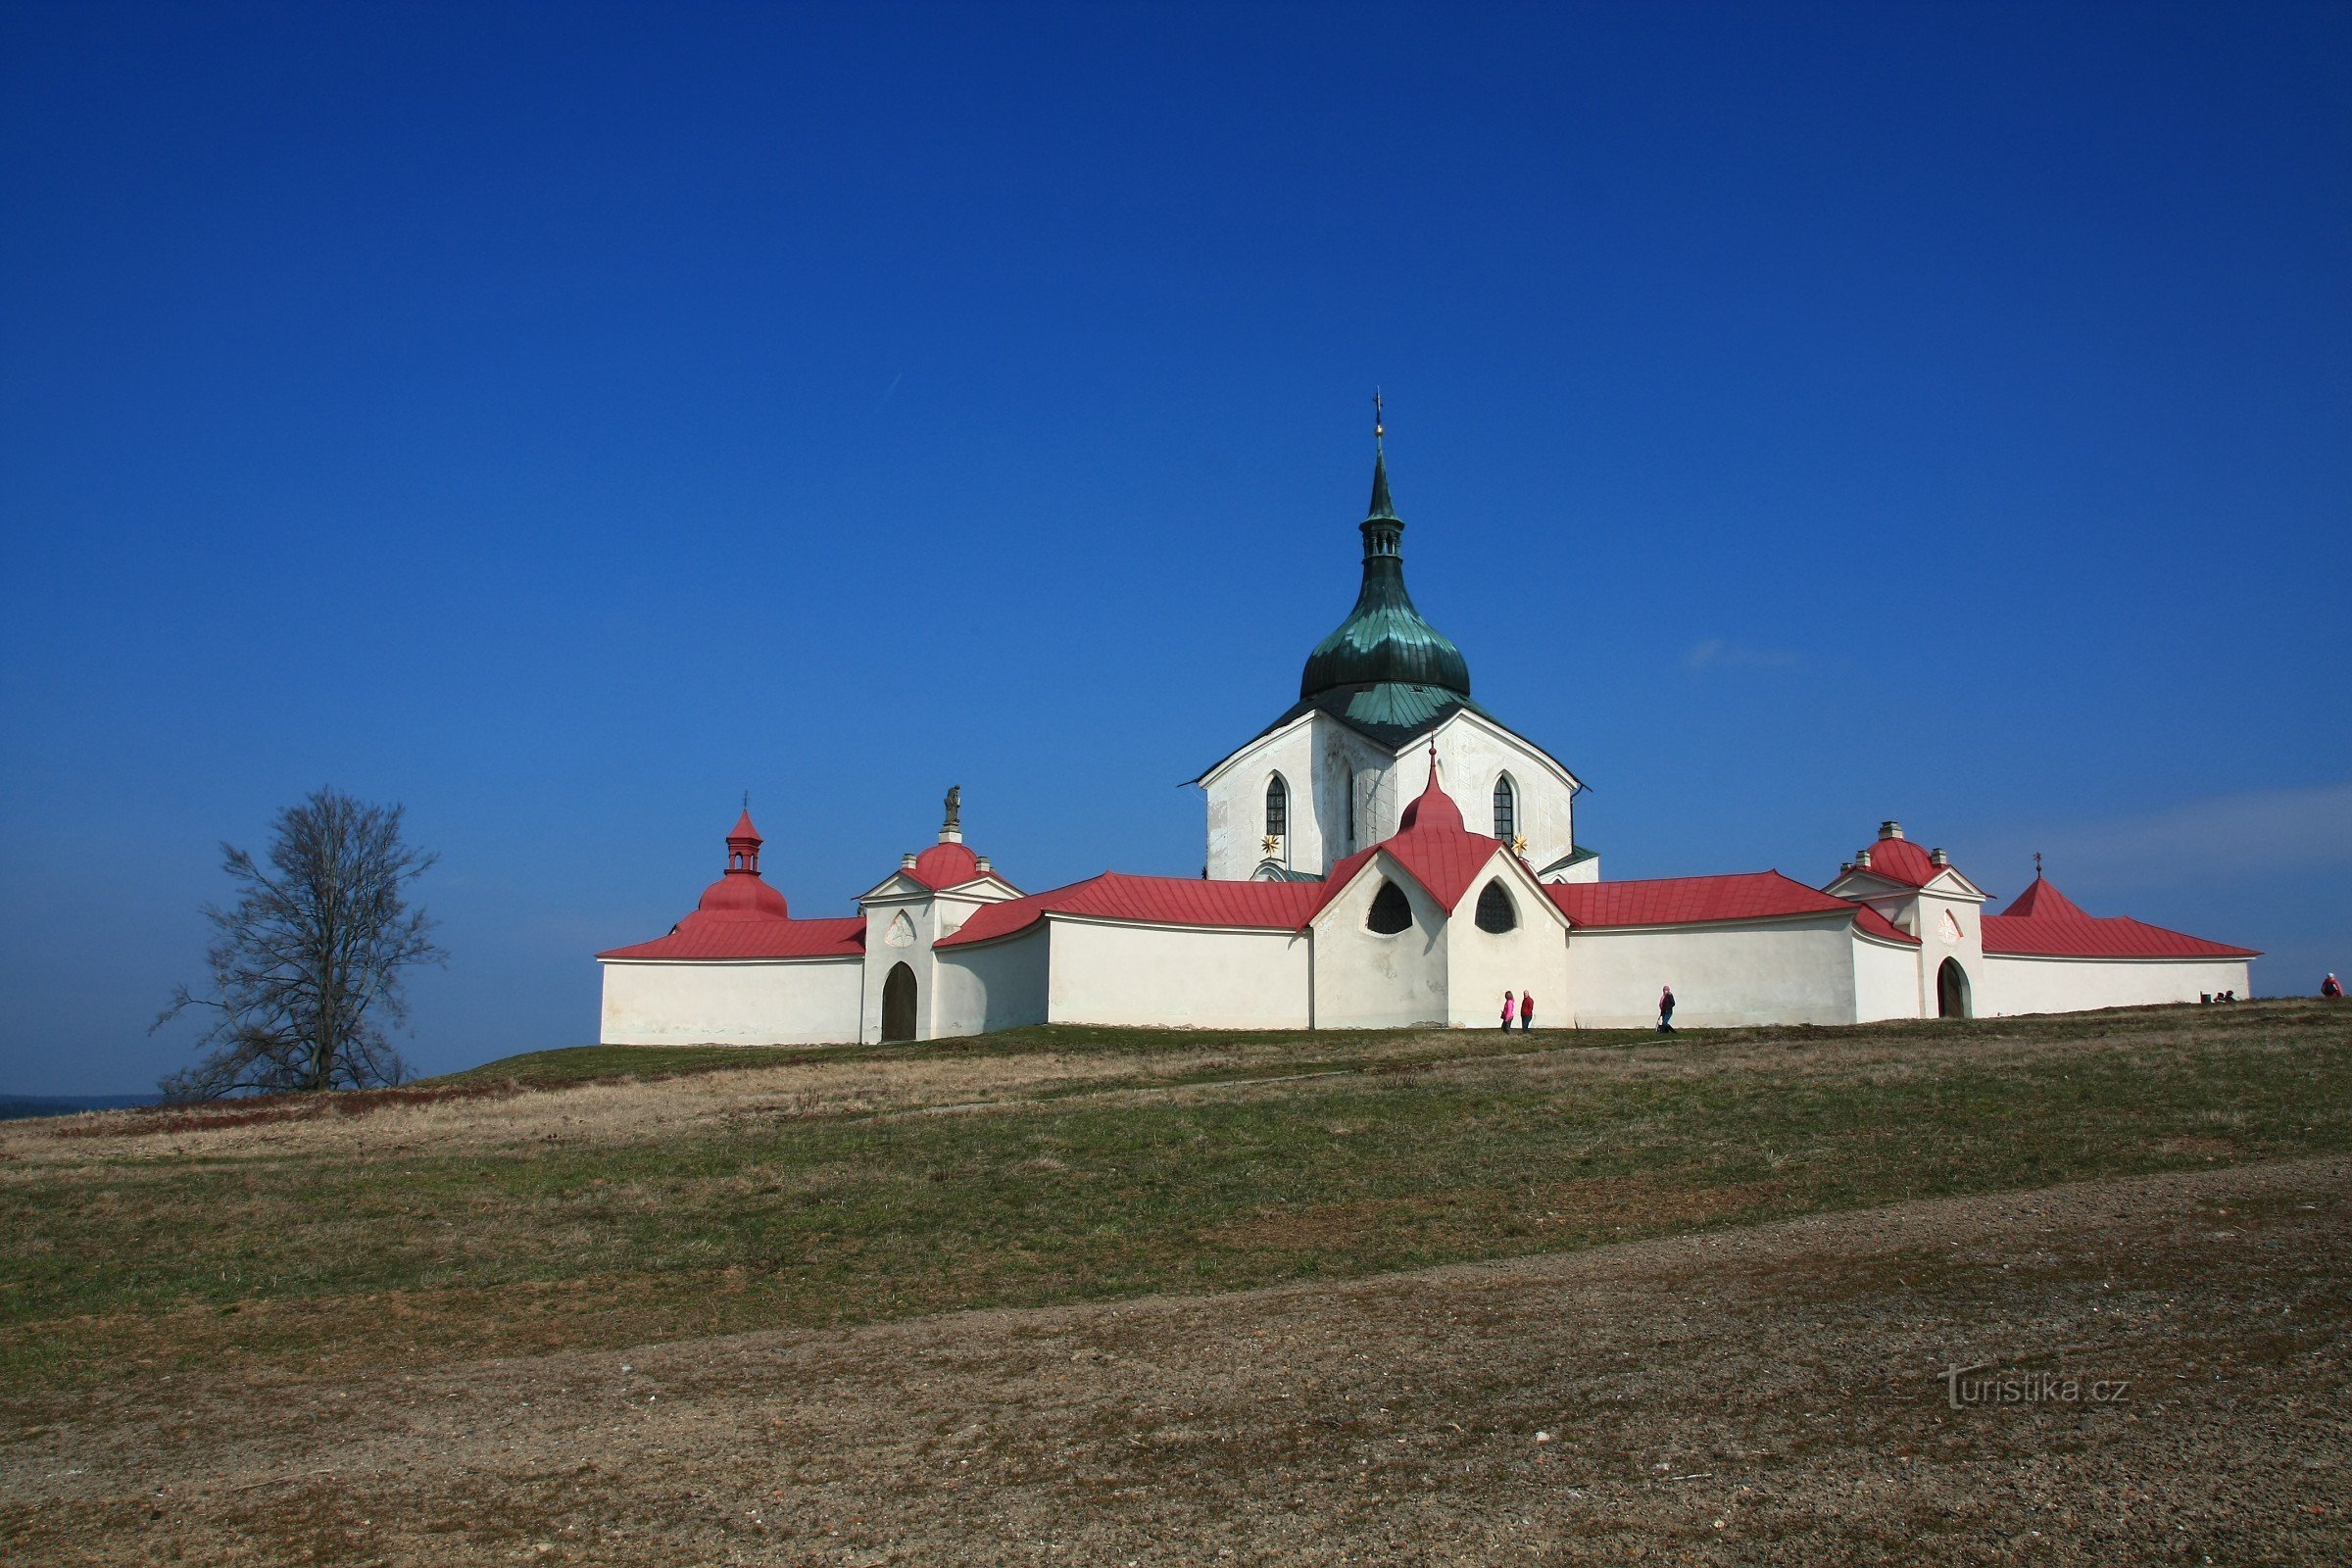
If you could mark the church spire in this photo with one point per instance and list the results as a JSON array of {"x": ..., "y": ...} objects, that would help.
[
  {"x": 1382, "y": 509},
  {"x": 1384, "y": 639}
]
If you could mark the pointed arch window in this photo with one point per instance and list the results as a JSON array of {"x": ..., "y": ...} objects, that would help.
[
  {"x": 1278, "y": 809},
  {"x": 1496, "y": 910},
  {"x": 1506, "y": 810},
  {"x": 1392, "y": 911}
]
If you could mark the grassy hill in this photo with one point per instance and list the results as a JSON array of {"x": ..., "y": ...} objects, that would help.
[{"x": 573, "y": 1197}]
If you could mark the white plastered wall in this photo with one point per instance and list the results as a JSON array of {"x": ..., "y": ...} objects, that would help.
[
  {"x": 2019, "y": 984},
  {"x": 1324, "y": 762},
  {"x": 1472, "y": 754},
  {"x": 743, "y": 1002},
  {"x": 882, "y": 955},
  {"x": 990, "y": 985},
  {"x": 1237, "y": 804},
  {"x": 1187, "y": 976},
  {"x": 1795, "y": 971},
  {"x": 1533, "y": 956},
  {"x": 1885, "y": 980},
  {"x": 1363, "y": 979}
]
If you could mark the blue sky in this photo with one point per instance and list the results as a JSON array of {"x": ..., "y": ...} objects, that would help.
[{"x": 562, "y": 418}]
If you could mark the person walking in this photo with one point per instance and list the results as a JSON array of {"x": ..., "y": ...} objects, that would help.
[
  {"x": 1507, "y": 1010},
  {"x": 1527, "y": 1011},
  {"x": 2331, "y": 989},
  {"x": 1666, "y": 1010}
]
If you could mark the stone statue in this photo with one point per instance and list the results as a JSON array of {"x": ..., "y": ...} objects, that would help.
[{"x": 955, "y": 806}]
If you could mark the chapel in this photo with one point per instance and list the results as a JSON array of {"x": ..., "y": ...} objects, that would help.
[{"x": 1385, "y": 852}]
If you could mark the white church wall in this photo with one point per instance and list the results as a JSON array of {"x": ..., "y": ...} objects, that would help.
[
  {"x": 891, "y": 942},
  {"x": 1480, "y": 965},
  {"x": 2014, "y": 983},
  {"x": 1353, "y": 768},
  {"x": 1885, "y": 981},
  {"x": 993, "y": 985},
  {"x": 1471, "y": 756},
  {"x": 1237, "y": 804},
  {"x": 1183, "y": 976},
  {"x": 1363, "y": 979},
  {"x": 1723, "y": 975},
  {"x": 797, "y": 1002}
]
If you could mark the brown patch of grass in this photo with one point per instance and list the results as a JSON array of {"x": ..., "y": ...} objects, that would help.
[{"x": 216, "y": 1116}]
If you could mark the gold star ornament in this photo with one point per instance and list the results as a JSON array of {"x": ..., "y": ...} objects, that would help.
[
  {"x": 1519, "y": 845},
  {"x": 1269, "y": 844}
]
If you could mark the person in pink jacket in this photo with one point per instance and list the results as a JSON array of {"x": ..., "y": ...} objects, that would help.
[{"x": 1507, "y": 1010}]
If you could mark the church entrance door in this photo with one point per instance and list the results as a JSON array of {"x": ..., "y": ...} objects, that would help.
[
  {"x": 897, "y": 1004},
  {"x": 1951, "y": 989}
]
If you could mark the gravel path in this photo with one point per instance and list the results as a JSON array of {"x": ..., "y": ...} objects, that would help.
[{"x": 2172, "y": 1349}]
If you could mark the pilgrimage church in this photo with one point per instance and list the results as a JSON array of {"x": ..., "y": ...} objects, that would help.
[{"x": 1385, "y": 852}]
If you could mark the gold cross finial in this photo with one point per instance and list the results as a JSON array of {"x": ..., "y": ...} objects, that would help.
[{"x": 1379, "y": 419}]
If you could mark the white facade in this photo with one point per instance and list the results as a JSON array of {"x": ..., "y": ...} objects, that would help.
[
  {"x": 2037, "y": 983},
  {"x": 757, "y": 1002},
  {"x": 1344, "y": 790}
]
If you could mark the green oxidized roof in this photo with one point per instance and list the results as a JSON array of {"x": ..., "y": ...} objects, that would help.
[{"x": 1384, "y": 644}]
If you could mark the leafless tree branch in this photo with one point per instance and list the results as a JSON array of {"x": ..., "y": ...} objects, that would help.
[{"x": 307, "y": 964}]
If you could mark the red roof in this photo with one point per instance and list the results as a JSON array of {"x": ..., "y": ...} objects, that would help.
[
  {"x": 2042, "y": 901},
  {"x": 740, "y": 895},
  {"x": 1871, "y": 922},
  {"x": 701, "y": 936},
  {"x": 2043, "y": 922},
  {"x": 1431, "y": 845},
  {"x": 945, "y": 865},
  {"x": 1164, "y": 900},
  {"x": 742, "y": 829},
  {"x": 1689, "y": 900},
  {"x": 1901, "y": 861}
]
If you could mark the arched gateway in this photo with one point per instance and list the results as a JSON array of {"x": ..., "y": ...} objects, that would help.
[
  {"x": 897, "y": 1004},
  {"x": 1951, "y": 989}
]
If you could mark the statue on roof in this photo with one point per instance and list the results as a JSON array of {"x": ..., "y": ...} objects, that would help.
[{"x": 955, "y": 808}]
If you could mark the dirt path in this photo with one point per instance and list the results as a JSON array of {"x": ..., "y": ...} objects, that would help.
[{"x": 1769, "y": 1395}]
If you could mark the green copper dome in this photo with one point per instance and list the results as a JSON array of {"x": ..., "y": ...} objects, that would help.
[{"x": 1384, "y": 639}]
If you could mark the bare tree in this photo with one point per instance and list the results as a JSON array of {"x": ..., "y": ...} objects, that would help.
[{"x": 306, "y": 964}]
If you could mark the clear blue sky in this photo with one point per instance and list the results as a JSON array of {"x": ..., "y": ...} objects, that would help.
[{"x": 562, "y": 418}]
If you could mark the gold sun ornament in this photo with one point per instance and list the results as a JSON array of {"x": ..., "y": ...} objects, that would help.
[
  {"x": 1269, "y": 844},
  {"x": 1519, "y": 845}
]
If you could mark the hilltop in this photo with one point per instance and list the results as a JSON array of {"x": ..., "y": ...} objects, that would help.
[{"x": 1295, "y": 1296}]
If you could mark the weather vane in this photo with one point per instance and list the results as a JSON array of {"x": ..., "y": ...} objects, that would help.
[
  {"x": 1379, "y": 425},
  {"x": 2038, "y": 863}
]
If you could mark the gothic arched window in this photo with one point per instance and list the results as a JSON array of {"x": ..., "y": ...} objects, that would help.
[
  {"x": 1495, "y": 911},
  {"x": 1392, "y": 911},
  {"x": 1278, "y": 808},
  {"x": 1506, "y": 810}
]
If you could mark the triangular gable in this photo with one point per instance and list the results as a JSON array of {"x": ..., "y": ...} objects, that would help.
[
  {"x": 898, "y": 885},
  {"x": 1444, "y": 864}
]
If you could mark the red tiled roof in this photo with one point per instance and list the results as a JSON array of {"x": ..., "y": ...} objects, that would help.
[
  {"x": 1901, "y": 861},
  {"x": 945, "y": 866},
  {"x": 702, "y": 936},
  {"x": 742, "y": 829},
  {"x": 1162, "y": 900},
  {"x": 1689, "y": 900},
  {"x": 2042, "y": 901},
  {"x": 1431, "y": 845},
  {"x": 2043, "y": 922},
  {"x": 1873, "y": 923}
]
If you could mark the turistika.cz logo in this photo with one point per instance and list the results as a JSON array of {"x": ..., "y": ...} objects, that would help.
[{"x": 1964, "y": 1387}]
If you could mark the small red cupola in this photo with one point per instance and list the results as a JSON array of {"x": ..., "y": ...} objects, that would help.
[
  {"x": 741, "y": 894},
  {"x": 1434, "y": 808},
  {"x": 743, "y": 846}
]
